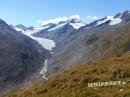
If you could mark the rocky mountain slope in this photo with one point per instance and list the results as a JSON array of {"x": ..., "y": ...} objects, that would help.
[
  {"x": 20, "y": 57},
  {"x": 106, "y": 37},
  {"x": 75, "y": 42},
  {"x": 79, "y": 43},
  {"x": 74, "y": 82}
]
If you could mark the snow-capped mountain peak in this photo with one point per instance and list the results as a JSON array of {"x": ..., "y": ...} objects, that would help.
[
  {"x": 74, "y": 22},
  {"x": 22, "y": 28},
  {"x": 111, "y": 19},
  {"x": 18, "y": 29},
  {"x": 125, "y": 16},
  {"x": 58, "y": 20},
  {"x": 77, "y": 23}
]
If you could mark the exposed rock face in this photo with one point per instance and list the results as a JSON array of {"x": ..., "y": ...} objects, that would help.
[
  {"x": 20, "y": 57},
  {"x": 111, "y": 37}
]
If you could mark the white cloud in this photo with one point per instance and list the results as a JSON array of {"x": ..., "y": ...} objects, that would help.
[
  {"x": 91, "y": 17},
  {"x": 39, "y": 21},
  {"x": 74, "y": 16},
  {"x": 57, "y": 20}
]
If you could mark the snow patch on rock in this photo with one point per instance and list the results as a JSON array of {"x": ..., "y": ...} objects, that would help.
[
  {"x": 18, "y": 29},
  {"x": 113, "y": 21},
  {"x": 77, "y": 25},
  {"x": 44, "y": 70},
  {"x": 57, "y": 27}
]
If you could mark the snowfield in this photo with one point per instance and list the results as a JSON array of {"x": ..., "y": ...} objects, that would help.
[
  {"x": 115, "y": 21},
  {"x": 45, "y": 43}
]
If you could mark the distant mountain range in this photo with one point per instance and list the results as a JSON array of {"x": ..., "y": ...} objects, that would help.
[
  {"x": 78, "y": 42},
  {"x": 55, "y": 47}
]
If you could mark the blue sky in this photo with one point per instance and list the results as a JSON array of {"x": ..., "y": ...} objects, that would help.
[{"x": 28, "y": 12}]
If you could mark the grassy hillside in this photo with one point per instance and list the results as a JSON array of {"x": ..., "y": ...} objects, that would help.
[{"x": 74, "y": 83}]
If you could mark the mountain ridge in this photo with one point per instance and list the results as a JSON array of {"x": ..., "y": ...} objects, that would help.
[{"x": 90, "y": 41}]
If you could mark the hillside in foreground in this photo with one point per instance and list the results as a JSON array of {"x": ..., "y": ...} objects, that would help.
[{"x": 74, "y": 82}]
